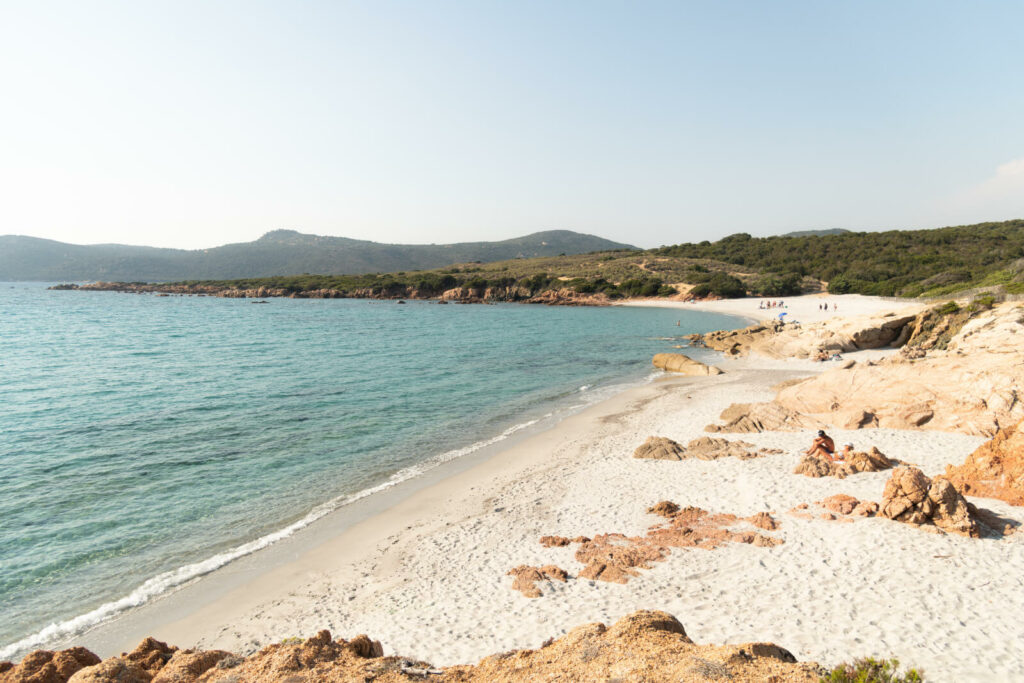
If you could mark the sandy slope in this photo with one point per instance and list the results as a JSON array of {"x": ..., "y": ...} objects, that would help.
[{"x": 428, "y": 576}]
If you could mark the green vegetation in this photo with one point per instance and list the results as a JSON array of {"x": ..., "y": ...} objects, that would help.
[
  {"x": 872, "y": 670},
  {"x": 894, "y": 263},
  {"x": 930, "y": 263}
]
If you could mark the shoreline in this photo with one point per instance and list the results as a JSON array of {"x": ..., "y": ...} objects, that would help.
[{"x": 425, "y": 572}]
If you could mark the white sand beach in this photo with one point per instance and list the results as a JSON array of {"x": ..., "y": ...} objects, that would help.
[{"x": 428, "y": 575}]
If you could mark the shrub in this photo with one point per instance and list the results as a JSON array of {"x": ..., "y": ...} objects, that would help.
[
  {"x": 948, "y": 308},
  {"x": 872, "y": 670},
  {"x": 720, "y": 284},
  {"x": 982, "y": 302}
]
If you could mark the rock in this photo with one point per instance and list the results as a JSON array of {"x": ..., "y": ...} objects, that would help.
[
  {"x": 186, "y": 666},
  {"x": 659, "y": 448},
  {"x": 813, "y": 466},
  {"x": 913, "y": 498},
  {"x": 713, "y": 448},
  {"x": 841, "y": 503},
  {"x": 527, "y": 577},
  {"x": 616, "y": 557},
  {"x": 763, "y": 417},
  {"x": 46, "y": 666},
  {"x": 151, "y": 655},
  {"x": 971, "y": 387},
  {"x": 366, "y": 648},
  {"x": 677, "y": 362},
  {"x": 554, "y": 541},
  {"x": 995, "y": 469},
  {"x": 665, "y": 508},
  {"x": 113, "y": 670},
  {"x": 870, "y": 461},
  {"x": 857, "y": 461},
  {"x": 838, "y": 335}
]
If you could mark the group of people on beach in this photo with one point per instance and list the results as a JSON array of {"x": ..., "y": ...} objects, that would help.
[
  {"x": 824, "y": 447},
  {"x": 824, "y": 307},
  {"x": 771, "y": 304}
]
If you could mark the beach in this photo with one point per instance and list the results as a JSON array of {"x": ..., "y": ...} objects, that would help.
[{"x": 425, "y": 570}]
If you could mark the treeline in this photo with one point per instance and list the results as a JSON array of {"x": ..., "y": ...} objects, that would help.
[
  {"x": 433, "y": 283},
  {"x": 892, "y": 263}
]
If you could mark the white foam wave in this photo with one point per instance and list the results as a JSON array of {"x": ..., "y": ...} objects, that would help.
[{"x": 166, "y": 581}]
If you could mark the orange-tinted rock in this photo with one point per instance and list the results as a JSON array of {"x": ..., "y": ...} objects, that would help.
[
  {"x": 665, "y": 508},
  {"x": 762, "y": 417},
  {"x": 527, "y": 577},
  {"x": 554, "y": 541},
  {"x": 185, "y": 666},
  {"x": 113, "y": 670},
  {"x": 995, "y": 469},
  {"x": 913, "y": 498},
  {"x": 150, "y": 654},
  {"x": 762, "y": 520},
  {"x": 841, "y": 503},
  {"x": 659, "y": 448},
  {"x": 46, "y": 666}
]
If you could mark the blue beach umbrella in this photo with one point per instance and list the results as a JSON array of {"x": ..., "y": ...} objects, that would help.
[{"x": 782, "y": 314}]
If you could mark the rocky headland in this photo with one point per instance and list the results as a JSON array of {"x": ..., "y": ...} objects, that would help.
[
  {"x": 564, "y": 296},
  {"x": 964, "y": 380},
  {"x": 643, "y": 646}
]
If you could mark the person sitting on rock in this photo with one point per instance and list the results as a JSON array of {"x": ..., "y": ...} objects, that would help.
[
  {"x": 823, "y": 447},
  {"x": 822, "y": 356},
  {"x": 847, "y": 452}
]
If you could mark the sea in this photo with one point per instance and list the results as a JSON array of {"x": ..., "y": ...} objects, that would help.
[{"x": 149, "y": 440}]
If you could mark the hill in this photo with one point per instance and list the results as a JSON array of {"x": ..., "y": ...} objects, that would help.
[
  {"x": 280, "y": 252},
  {"x": 815, "y": 233}
]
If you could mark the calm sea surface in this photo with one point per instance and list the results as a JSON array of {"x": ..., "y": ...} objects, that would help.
[{"x": 146, "y": 440}]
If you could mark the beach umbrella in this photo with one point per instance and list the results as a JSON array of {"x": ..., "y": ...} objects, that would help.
[{"x": 782, "y": 314}]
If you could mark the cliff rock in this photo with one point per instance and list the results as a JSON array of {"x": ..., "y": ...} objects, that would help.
[
  {"x": 995, "y": 469},
  {"x": 971, "y": 387}
]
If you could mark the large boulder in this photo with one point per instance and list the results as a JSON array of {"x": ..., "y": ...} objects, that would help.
[
  {"x": 995, "y": 469},
  {"x": 659, "y": 448},
  {"x": 677, "y": 362},
  {"x": 913, "y": 498},
  {"x": 857, "y": 461},
  {"x": 46, "y": 666}
]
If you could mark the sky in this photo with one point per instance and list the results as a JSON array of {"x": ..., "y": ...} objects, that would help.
[{"x": 192, "y": 124}]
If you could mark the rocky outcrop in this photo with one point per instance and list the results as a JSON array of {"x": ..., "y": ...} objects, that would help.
[
  {"x": 840, "y": 335},
  {"x": 971, "y": 387},
  {"x": 616, "y": 558},
  {"x": 684, "y": 365},
  {"x": 659, "y": 448},
  {"x": 713, "y": 448},
  {"x": 645, "y": 645},
  {"x": 840, "y": 507},
  {"x": 747, "y": 418},
  {"x": 858, "y": 461},
  {"x": 913, "y": 498},
  {"x": 527, "y": 577},
  {"x": 995, "y": 469},
  {"x": 46, "y": 666},
  {"x": 702, "y": 448}
]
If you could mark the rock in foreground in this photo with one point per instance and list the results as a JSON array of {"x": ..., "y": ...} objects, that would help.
[{"x": 643, "y": 646}]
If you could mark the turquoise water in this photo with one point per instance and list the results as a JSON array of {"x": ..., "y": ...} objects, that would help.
[{"x": 146, "y": 440}]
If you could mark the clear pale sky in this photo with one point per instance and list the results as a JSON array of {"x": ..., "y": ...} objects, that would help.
[{"x": 193, "y": 124}]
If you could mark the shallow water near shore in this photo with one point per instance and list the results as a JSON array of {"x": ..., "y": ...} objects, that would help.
[{"x": 148, "y": 440}]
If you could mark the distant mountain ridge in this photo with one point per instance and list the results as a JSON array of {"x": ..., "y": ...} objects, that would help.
[
  {"x": 279, "y": 252},
  {"x": 816, "y": 233}
]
